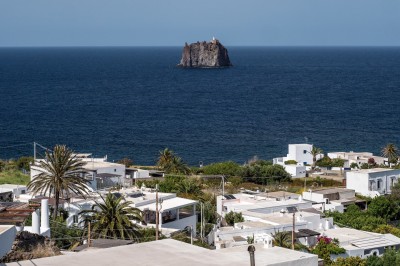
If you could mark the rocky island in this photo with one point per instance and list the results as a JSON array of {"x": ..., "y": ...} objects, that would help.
[{"x": 205, "y": 55}]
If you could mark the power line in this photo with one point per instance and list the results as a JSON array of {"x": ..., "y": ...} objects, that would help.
[{"x": 16, "y": 145}]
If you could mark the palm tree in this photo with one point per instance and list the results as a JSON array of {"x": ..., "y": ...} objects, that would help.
[
  {"x": 314, "y": 152},
  {"x": 171, "y": 163},
  {"x": 391, "y": 152},
  {"x": 189, "y": 186},
  {"x": 60, "y": 176},
  {"x": 114, "y": 218},
  {"x": 165, "y": 158},
  {"x": 282, "y": 239}
]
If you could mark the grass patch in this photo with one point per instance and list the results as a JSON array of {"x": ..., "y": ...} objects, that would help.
[{"x": 15, "y": 177}]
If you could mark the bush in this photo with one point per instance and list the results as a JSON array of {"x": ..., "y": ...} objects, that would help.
[
  {"x": 224, "y": 168},
  {"x": 290, "y": 162},
  {"x": 234, "y": 217}
]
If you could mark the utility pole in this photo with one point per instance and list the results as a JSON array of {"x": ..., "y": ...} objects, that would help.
[
  {"x": 88, "y": 241},
  {"x": 223, "y": 193},
  {"x": 34, "y": 152},
  {"x": 293, "y": 234},
  {"x": 191, "y": 235},
  {"x": 156, "y": 212},
  {"x": 201, "y": 221}
]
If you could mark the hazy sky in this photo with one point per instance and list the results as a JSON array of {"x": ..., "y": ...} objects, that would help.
[{"x": 172, "y": 22}]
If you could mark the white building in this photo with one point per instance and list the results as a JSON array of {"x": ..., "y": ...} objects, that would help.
[
  {"x": 301, "y": 153},
  {"x": 260, "y": 202},
  {"x": 7, "y": 237},
  {"x": 263, "y": 226},
  {"x": 357, "y": 157},
  {"x": 264, "y": 216},
  {"x": 100, "y": 173},
  {"x": 17, "y": 190},
  {"x": 175, "y": 213},
  {"x": 331, "y": 199},
  {"x": 362, "y": 244},
  {"x": 372, "y": 182}
]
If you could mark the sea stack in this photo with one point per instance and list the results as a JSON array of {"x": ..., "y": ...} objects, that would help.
[{"x": 205, "y": 55}]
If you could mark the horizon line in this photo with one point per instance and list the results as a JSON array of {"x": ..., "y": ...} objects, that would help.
[{"x": 159, "y": 46}]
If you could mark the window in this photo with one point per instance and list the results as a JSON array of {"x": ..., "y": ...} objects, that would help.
[
  {"x": 75, "y": 219},
  {"x": 304, "y": 151},
  {"x": 23, "y": 191},
  {"x": 378, "y": 184},
  {"x": 115, "y": 170}
]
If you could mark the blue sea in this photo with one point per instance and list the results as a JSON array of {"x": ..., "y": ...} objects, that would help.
[{"x": 133, "y": 101}]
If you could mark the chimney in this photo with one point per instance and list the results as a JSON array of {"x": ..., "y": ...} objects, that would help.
[
  {"x": 44, "y": 215},
  {"x": 35, "y": 222}
]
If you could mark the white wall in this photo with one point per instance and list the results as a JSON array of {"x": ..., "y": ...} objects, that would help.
[
  {"x": 7, "y": 238},
  {"x": 358, "y": 182},
  {"x": 300, "y": 153},
  {"x": 310, "y": 195},
  {"x": 182, "y": 223},
  {"x": 295, "y": 170},
  {"x": 361, "y": 181}
]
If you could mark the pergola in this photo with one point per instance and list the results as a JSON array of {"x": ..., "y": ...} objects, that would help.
[{"x": 15, "y": 212}]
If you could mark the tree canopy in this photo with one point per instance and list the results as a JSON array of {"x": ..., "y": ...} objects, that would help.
[{"x": 61, "y": 175}]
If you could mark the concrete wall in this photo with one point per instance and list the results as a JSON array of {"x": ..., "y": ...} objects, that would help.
[
  {"x": 182, "y": 223},
  {"x": 295, "y": 170},
  {"x": 310, "y": 195},
  {"x": 141, "y": 174},
  {"x": 7, "y": 237}
]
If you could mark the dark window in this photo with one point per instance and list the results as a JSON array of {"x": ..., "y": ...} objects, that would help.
[{"x": 304, "y": 151}]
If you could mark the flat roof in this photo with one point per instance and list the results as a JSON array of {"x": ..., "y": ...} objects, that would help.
[
  {"x": 373, "y": 242},
  {"x": 278, "y": 194},
  {"x": 325, "y": 191},
  {"x": 168, "y": 204},
  {"x": 93, "y": 165},
  {"x": 278, "y": 218},
  {"x": 249, "y": 202},
  {"x": 170, "y": 252},
  {"x": 5, "y": 228},
  {"x": 254, "y": 224},
  {"x": 12, "y": 186},
  {"x": 348, "y": 234},
  {"x": 374, "y": 170}
]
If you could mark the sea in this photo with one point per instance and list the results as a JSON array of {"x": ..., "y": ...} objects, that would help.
[{"x": 134, "y": 101}]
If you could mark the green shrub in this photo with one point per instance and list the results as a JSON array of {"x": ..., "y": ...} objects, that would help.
[{"x": 234, "y": 217}]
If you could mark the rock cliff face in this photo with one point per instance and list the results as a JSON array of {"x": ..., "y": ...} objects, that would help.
[{"x": 205, "y": 54}]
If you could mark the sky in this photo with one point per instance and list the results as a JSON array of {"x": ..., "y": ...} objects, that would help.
[{"x": 174, "y": 22}]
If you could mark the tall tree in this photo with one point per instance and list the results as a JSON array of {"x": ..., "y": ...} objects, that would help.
[
  {"x": 113, "y": 217},
  {"x": 314, "y": 152},
  {"x": 391, "y": 152},
  {"x": 165, "y": 157},
  {"x": 61, "y": 174},
  {"x": 171, "y": 163}
]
